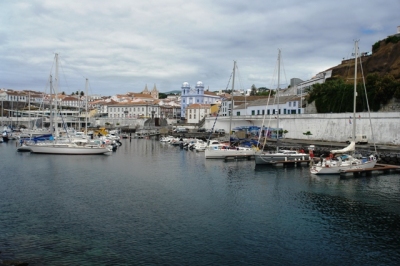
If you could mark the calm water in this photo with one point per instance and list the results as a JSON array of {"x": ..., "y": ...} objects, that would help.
[{"x": 150, "y": 203}]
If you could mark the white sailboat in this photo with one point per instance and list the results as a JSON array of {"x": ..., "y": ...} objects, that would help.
[
  {"x": 223, "y": 151},
  {"x": 265, "y": 158},
  {"x": 68, "y": 147},
  {"x": 342, "y": 160}
]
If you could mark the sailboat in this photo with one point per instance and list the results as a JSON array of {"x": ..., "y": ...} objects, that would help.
[
  {"x": 216, "y": 150},
  {"x": 342, "y": 160},
  {"x": 67, "y": 147},
  {"x": 266, "y": 158}
]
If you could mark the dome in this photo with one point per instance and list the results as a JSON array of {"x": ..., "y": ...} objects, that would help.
[
  {"x": 185, "y": 84},
  {"x": 199, "y": 83}
]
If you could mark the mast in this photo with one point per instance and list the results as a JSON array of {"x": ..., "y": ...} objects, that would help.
[
  {"x": 277, "y": 93},
  {"x": 231, "y": 114},
  {"x": 86, "y": 105},
  {"x": 51, "y": 107},
  {"x": 355, "y": 89},
  {"x": 29, "y": 109},
  {"x": 56, "y": 96}
]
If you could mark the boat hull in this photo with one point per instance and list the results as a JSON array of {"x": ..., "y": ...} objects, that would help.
[
  {"x": 336, "y": 170},
  {"x": 265, "y": 158},
  {"x": 223, "y": 153},
  {"x": 69, "y": 150}
]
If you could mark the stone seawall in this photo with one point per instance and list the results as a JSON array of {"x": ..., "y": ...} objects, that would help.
[{"x": 323, "y": 127}]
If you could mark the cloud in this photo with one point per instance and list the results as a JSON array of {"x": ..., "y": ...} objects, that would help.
[{"x": 123, "y": 45}]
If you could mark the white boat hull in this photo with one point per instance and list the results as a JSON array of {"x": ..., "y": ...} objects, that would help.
[
  {"x": 336, "y": 170},
  {"x": 223, "y": 153},
  {"x": 74, "y": 150}
]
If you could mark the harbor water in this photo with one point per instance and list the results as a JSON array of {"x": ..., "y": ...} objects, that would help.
[{"x": 151, "y": 203}]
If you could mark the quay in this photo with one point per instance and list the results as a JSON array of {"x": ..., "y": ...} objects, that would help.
[{"x": 369, "y": 171}]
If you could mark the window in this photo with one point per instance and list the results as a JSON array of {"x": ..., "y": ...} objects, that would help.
[
  {"x": 294, "y": 104},
  {"x": 290, "y": 104},
  {"x": 253, "y": 112},
  {"x": 237, "y": 113}
]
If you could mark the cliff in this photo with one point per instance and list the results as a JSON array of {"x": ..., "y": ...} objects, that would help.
[{"x": 385, "y": 59}]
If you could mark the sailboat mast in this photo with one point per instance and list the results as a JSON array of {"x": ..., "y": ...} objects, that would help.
[
  {"x": 86, "y": 105},
  {"x": 233, "y": 87},
  {"x": 277, "y": 93},
  {"x": 355, "y": 89},
  {"x": 56, "y": 95},
  {"x": 51, "y": 107}
]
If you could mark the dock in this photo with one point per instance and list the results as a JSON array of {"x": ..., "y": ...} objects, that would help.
[{"x": 368, "y": 171}]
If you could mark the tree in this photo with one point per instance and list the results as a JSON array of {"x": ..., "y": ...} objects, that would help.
[
  {"x": 253, "y": 91},
  {"x": 336, "y": 95},
  {"x": 162, "y": 95},
  {"x": 308, "y": 134}
]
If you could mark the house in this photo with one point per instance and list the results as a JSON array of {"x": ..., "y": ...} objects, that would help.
[{"x": 196, "y": 112}]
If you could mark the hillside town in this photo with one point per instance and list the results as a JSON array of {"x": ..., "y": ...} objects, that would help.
[{"x": 192, "y": 105}]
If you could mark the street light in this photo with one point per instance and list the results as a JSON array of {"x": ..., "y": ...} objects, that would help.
[{"x": 2, "y": 97}]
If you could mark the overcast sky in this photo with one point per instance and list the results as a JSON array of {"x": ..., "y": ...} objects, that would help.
[{"x": 122, "y": 45}]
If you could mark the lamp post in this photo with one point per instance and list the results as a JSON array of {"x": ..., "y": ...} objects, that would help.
[
  {"x": 152, "y": 117},
  {"x": 3, "y": 97}
]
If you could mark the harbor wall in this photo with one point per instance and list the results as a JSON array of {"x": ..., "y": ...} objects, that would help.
[{"x": 336, "y": 127}]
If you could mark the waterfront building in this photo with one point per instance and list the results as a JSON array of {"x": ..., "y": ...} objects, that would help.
[
  {"x": 134, "y": 110},
  {"x": 196, "y": 95},
  {"x": 243, "y": 101},
  {"x": 196, "y": 112},
  {"x": 72, "y": 101},
  {"x": 264, "y": 106}
]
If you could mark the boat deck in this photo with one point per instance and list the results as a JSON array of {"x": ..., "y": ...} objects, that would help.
[
  {"x": 239, "y": 157},
  {"x": 292, "y": 162}
]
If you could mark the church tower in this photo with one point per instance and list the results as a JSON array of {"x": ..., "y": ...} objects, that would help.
[
  {"x": 145, "y": 91},
  {"x": 154, "y": 92}
]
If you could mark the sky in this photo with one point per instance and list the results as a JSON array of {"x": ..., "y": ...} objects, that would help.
[{"x": 121, "y": 46}]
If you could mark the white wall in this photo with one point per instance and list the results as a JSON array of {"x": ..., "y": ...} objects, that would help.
[{"x": 328, "y": 127}]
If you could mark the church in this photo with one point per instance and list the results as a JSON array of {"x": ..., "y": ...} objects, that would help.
[{"x": 196, "y": 95}]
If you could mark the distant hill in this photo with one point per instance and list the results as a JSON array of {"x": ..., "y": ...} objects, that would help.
[
  {"x": 173, "y": 92},
  {"x": 385, "y": 59}
]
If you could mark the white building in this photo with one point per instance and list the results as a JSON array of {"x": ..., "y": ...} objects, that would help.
[
  {"x": 261, "y": 107},
  {"x": 196, "y": 112},
  {"x": 134, "y": 110}
]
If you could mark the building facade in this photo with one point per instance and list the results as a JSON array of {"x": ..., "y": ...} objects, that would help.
[
  {"x": 196, "y": 95},
  {"x": 196, "y": 112},
  {"x": 133, "y": 110}
]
